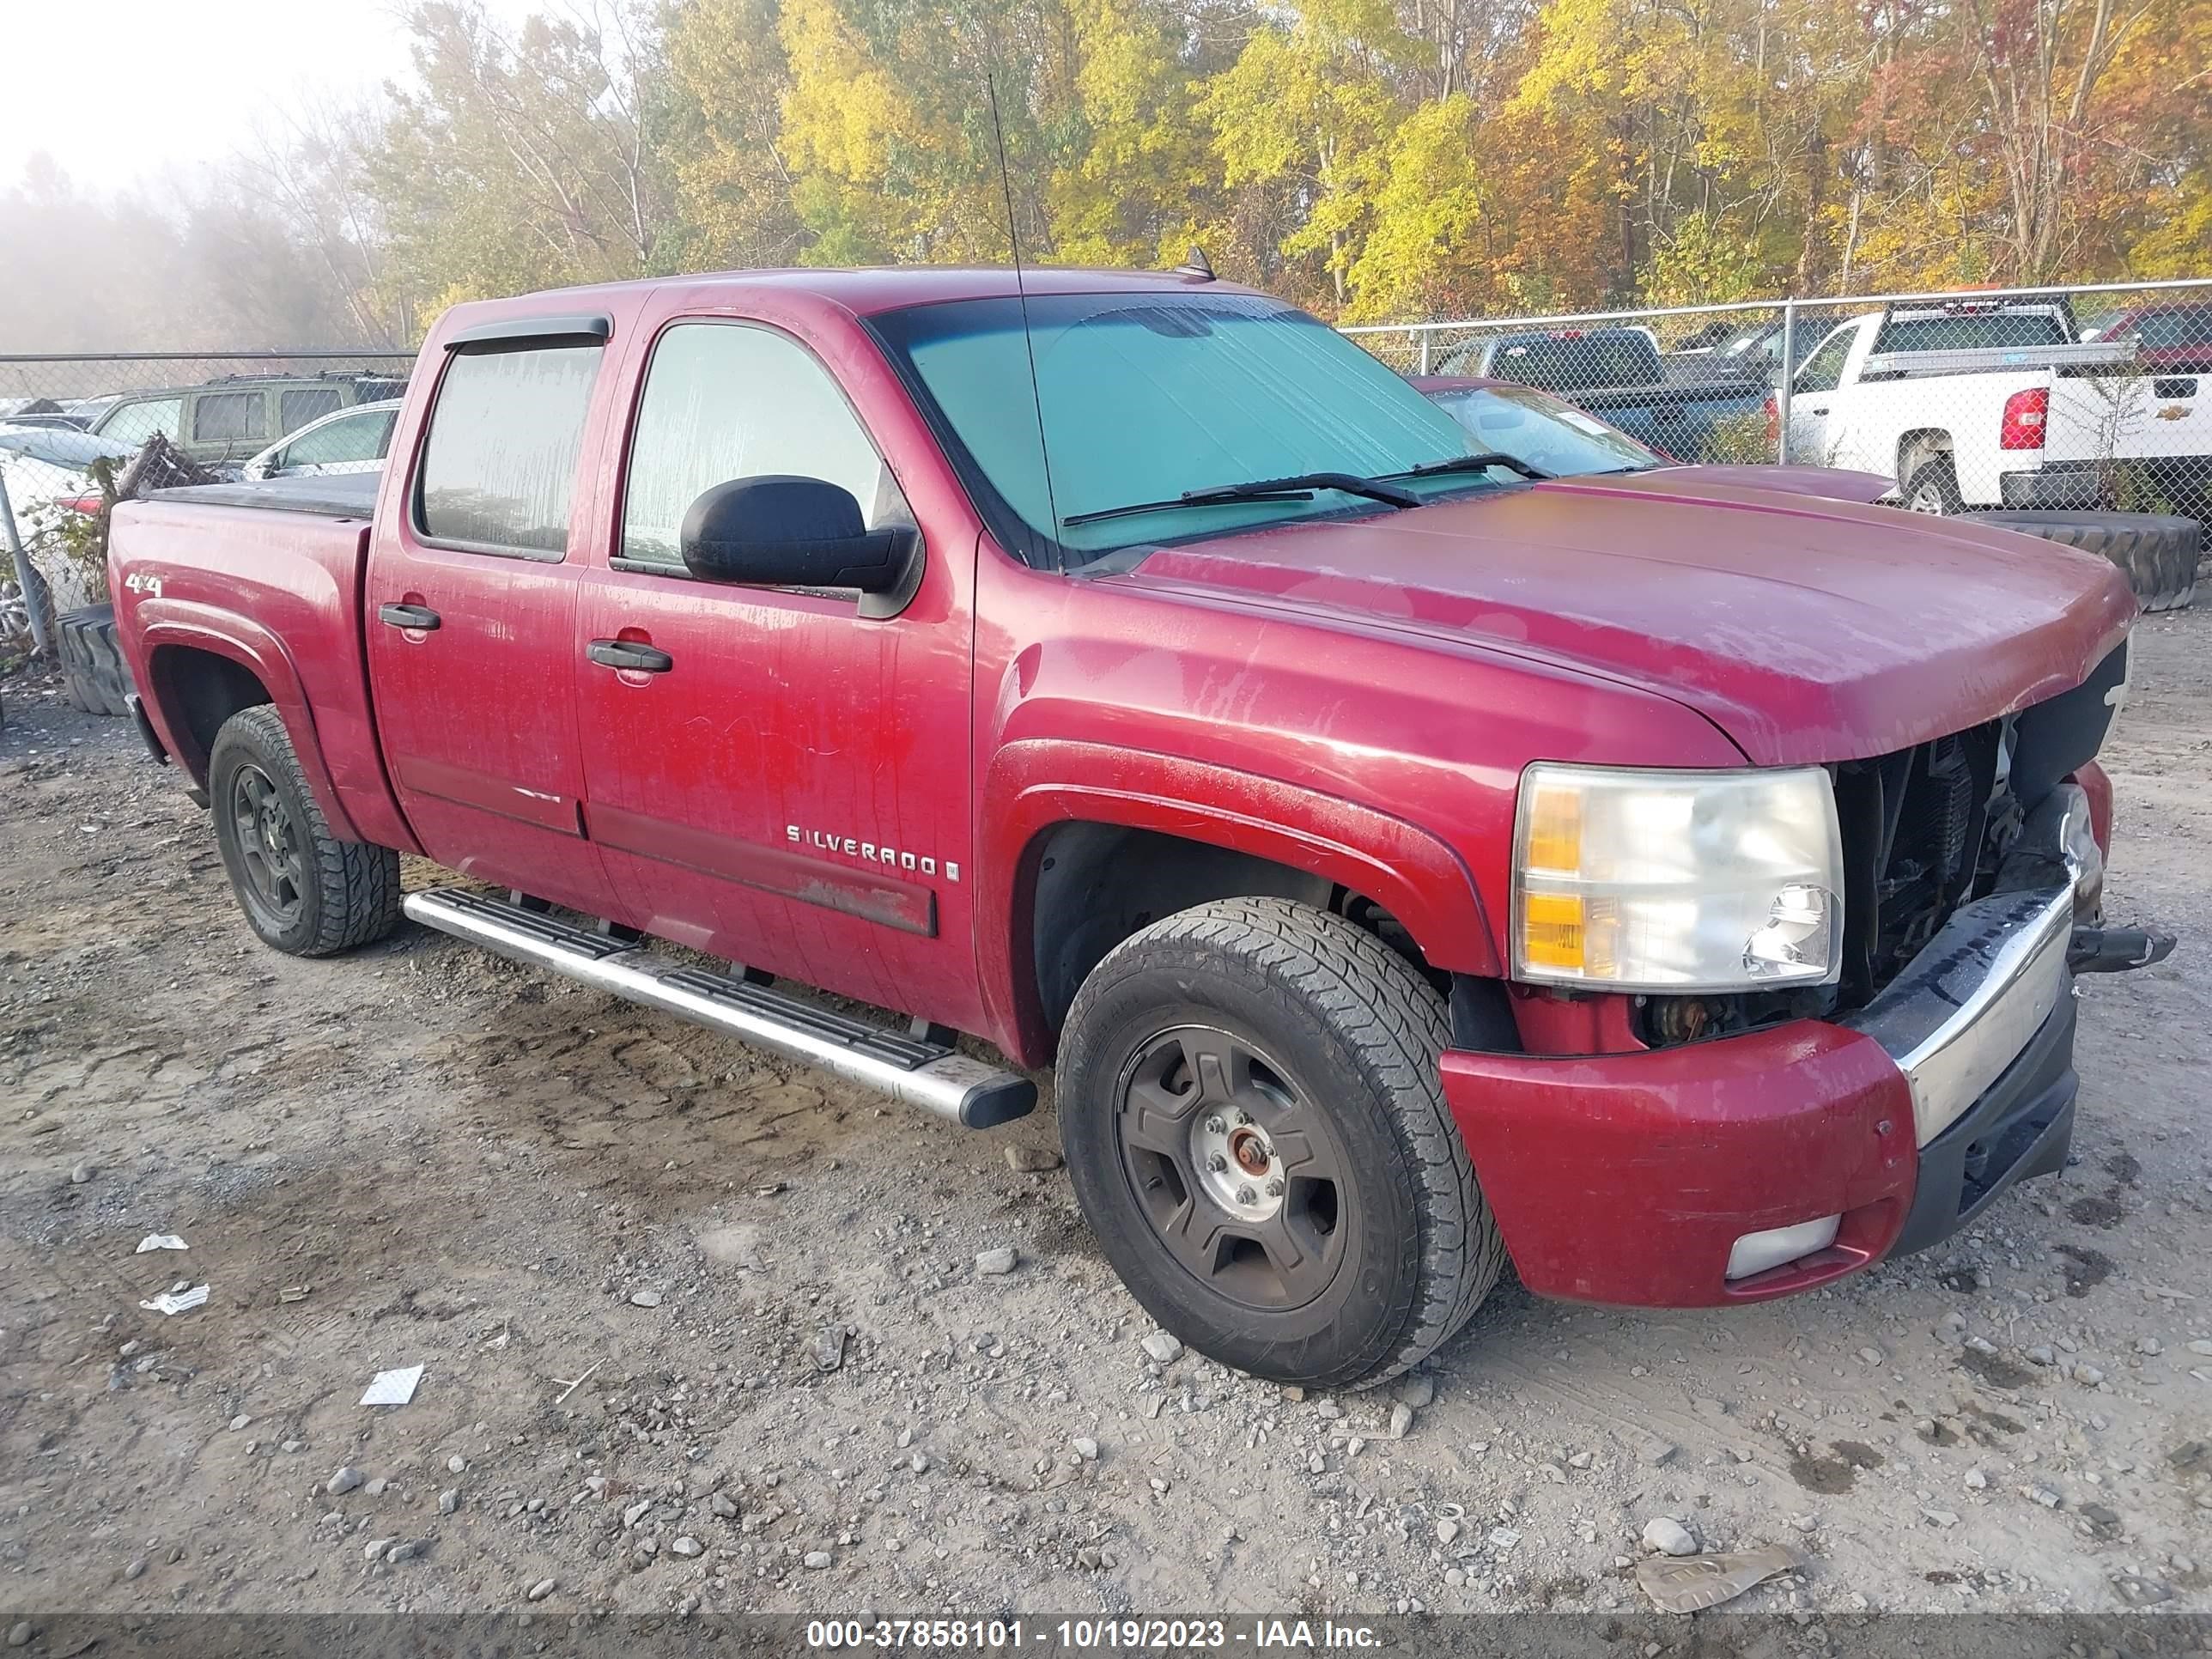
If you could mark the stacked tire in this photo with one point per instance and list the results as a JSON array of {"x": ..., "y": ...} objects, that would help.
[
  {"x": 92, "y": 660},
  {"x": 2157, "y": 553}
]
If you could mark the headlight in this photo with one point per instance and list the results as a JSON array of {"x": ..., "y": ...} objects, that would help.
[{"x": 1638, "y": 880}]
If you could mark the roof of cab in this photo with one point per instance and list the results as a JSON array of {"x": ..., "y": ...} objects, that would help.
[{"x": 867, "y": 291}]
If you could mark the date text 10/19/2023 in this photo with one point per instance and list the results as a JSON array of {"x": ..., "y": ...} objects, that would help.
[{"x": 1090, "y": 1635}]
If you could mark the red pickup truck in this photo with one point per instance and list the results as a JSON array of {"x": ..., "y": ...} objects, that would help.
[{"x": 1408, "y": 863}]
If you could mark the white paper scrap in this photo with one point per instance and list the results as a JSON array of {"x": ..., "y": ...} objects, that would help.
[
  {"x": 160, "y": 1242},
  {"x": 393, "y": 1387},
  {"x": 176, "y": 1302}
]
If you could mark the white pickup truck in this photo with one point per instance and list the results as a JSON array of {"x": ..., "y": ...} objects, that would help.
[{"x": 1972, "y": 405}]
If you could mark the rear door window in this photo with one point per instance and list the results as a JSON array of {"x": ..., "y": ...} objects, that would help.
[
  {"x": 296, "y": 408},
  {"x": 499, "y": 468},
  {"x": 229, "y": 416},
  {"x": 1972, "y": 330}
]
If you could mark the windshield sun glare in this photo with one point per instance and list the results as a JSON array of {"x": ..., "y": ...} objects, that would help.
[{"x": 1146, "y": 397}]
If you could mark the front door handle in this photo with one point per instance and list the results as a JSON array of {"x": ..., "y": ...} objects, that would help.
[
  {"x": 418, "y": 616},
  {"x": 627, "y": 653},
  {"x": 1816, "y": 409}
]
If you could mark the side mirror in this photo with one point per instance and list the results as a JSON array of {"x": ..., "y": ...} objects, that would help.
[{"x": 778, "y": 531}]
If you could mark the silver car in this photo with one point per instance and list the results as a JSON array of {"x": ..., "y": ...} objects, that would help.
[{"x": 351, "y": 440}]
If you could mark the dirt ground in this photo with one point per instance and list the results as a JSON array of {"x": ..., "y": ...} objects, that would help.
[{"x": 701, "y": 1330}]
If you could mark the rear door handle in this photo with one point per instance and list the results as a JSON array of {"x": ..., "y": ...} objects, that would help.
[
  {"x": 417, "y": 617},
  {"x": 627, "y": 653}
]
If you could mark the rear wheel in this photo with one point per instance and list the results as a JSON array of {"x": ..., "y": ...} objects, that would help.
[
  {"x": 1256, "y": 1127},
  {"x": 303, "y": 891},
  {"x": 1933, "y": 488},
  {"x": 2156, "y": 552}
]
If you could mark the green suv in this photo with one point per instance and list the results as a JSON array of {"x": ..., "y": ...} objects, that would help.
[{"x": 234, "y": 418}]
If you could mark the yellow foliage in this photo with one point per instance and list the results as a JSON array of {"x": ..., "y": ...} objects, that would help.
[{"x": 1374, "y": 158}]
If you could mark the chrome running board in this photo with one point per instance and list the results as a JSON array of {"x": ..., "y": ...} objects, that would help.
[{"x": 933, "y": 1076}]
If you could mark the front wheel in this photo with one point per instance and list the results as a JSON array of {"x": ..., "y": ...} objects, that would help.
[
  {"x": 1255, "y": 1127},
  {"x": 303, "y": 891}
]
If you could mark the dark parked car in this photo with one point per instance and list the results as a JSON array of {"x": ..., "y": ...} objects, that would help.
[
  {"x": 1618, "y": 373},
  {"x": 1752, "y": 352},
  {"x": 1554, "y": 436}
]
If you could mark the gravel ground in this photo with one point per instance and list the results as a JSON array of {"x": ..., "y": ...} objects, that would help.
[{"x": 700, "y": 1330}]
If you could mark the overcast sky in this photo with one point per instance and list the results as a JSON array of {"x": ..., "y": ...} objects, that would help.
[{"x": 118, "y": 91}]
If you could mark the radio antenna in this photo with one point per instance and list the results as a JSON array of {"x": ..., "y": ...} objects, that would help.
[{"x": 1021, "y": 296}]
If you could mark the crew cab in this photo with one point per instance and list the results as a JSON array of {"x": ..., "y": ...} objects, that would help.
[
  {"x": 1975, "y": 404},
  {"x": 1618, "y": 373},
  {"x": 1404, "y": 860}
]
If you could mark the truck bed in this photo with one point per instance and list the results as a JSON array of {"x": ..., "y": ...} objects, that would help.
[
  {"x": 327, "y": 495},
  {"x": 276, "y": 565}
]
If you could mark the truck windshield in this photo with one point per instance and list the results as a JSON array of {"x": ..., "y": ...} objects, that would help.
[
  {"x": 1146, "y": 396},
  {"x": 2163, "y": 330}
]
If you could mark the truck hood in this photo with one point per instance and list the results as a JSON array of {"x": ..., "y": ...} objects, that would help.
[
  {"x": 1835, "y": 484},
  {"x": 1805, "y": 629}
]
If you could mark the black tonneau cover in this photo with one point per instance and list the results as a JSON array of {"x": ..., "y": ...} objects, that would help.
[{"x": 329, "y": 495}]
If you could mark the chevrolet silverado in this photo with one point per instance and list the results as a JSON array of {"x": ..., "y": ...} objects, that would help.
[{"x": 1406, "y": 861}]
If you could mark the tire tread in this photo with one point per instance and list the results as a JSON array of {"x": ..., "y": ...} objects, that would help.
[
  {"x": 357, "y": 883},
  {"x": 2156, "y": 552},
  {"x": 93, "y": 669}
]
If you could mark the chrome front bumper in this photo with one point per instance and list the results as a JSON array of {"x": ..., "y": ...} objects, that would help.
[{"x": 1970, "y": 1002}]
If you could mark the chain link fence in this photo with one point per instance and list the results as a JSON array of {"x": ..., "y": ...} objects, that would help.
[
  {"x": 73, "y": 430},
  {"x": 2055, "y": 400}
]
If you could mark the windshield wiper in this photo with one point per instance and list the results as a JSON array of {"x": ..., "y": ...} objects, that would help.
[
  {"x": 1299, "y": 486},
  {"x": 1481, "y": 463}
]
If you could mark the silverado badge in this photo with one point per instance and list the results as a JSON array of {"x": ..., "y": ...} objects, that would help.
[{"x": 887, "y": 858}]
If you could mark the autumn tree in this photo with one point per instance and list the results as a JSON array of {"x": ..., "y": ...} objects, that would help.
[
  {"x": 733, "y": 184},
  {"x": 523, "y": 159},
  {"x": 1372, "y": 159},
  {"x": 1310, "y": 108}
]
